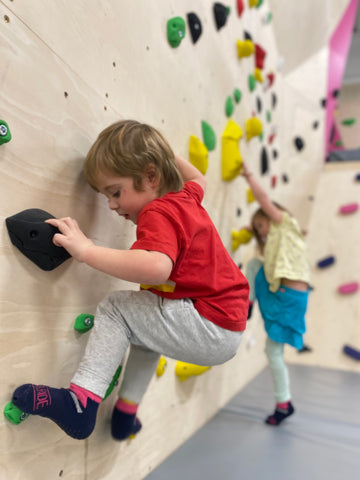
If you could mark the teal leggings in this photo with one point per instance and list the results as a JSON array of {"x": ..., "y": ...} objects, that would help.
[{"x": 279, "y": 371}]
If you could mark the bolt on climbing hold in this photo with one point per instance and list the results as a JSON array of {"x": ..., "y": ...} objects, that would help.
[
  {"x": 14, "y": 414},
  {"x": 5, "y": 134},
  {"x": 84, "y": 322},
  {"x": 175, "y": 31}
]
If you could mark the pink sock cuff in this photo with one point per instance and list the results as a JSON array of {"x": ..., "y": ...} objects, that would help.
[
  {"x": 83, "y": 394},
  {"x": 283, "y": 405},
  {"x": 126, "y": 407}
]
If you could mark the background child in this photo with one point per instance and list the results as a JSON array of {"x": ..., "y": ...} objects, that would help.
[
  {"x": 193, "y": 301},
  {"x": 281, "y": 288}
]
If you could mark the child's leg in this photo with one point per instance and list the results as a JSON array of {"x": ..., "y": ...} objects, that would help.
[
  {"x": 280, "y": 376},
  {"x": 173, "y": 328},
  {"x": 140, "y": 368},
  {"x": 61, "y": 405},
  {"x": 75, "y": 409}
]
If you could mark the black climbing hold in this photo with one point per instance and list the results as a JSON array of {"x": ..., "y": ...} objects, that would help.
[
  {"x": 221, "y": 13},
  {"x": 33, "y": 237},
  {"x": 285, "y": 178},
  {"x": 299, "y": 143},
  {"x": 247, "y": 36},
  {"x": 194, "y": 26},
  {"x": 315, "y": 125},
  {"x": 323, "y": 102},
  {"x": 264, "y": 161},
  {"x": 258, "y": 104},
  {"x": 273, "y": 100},
  {"x": 275, "y": 154}
]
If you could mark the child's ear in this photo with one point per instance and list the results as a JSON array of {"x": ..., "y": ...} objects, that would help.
[{"x": 152, "y": 175}]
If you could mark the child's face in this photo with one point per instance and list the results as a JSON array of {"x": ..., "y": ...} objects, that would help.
[
  {"x": 262, "y": 226},
  {"x": 122, "y": 196}
]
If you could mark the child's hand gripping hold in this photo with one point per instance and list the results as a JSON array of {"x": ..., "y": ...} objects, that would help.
[{"x": 71, "y": 237}]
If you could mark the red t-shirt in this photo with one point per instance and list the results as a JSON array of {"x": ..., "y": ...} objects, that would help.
[{"x": 177, "y": 225}]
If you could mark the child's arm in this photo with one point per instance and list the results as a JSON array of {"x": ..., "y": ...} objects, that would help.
[
  {"x": 189, "y": 172},
  {"x": 139, "y": 266},
  {"x": 261, "y": 196}
]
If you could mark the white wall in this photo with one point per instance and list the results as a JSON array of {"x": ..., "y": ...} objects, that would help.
[{"x": 113, "y": 60}]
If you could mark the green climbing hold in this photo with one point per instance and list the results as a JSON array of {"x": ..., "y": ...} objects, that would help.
[
  {"x": 349, "y": 121},
  {"x": 114, "y": 382},
  {"x": 208, "y": 135},
  {"x": 260, "y": 2},
  {"x": 252, "y": 82},
  {"x": 338, "y": 143},
  {"x": 237, "y": 95},
  {"x": 84, "y": 322},
  {"x": 175, "y": 31},
  {"x": 229, "y": 106},
  {"x": 14, "y": 414},
  {"x": 5, "y": 134},
  {"x": 268, "y": 116}
]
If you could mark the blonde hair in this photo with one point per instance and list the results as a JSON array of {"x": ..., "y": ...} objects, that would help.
[
  {"x": 132, "y": 149},
  {"x": 260, "y": 213}
]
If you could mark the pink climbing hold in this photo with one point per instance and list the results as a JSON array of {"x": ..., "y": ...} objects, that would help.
[
  {"x": 349, "y": 208},
  {"x": 348, "y": 288}
]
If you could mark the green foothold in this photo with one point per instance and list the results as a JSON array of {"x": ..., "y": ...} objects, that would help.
[
  {"x": 237, "y": 95},
  {"x": 268, "y": 116},
  {"x": 175, "y": 31},
  {"x": 260, "y": 2},
  {"x": 339, "y": 143},
  {"x": 208, "y": 135},
  {"x": 349, "y": 121},
  {"x": 84, "y": 322},
  {"x": 114, "y": 382},
  {"x": 229, "y": 106},
  {"x": 261, "y": 136},
  {"x": 252, "y": 82},
  {"x": 14, "y": 414},
  {"x": 5, "y": 134}
]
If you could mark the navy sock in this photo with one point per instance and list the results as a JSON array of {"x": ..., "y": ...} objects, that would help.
[
  {"x": 123, "y": 425},
  {"x": 60, "y": 405},
  {"x": 280, "y": 414}
]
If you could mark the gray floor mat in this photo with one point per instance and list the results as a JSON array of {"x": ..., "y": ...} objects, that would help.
[{"x": 320, "y": 441}]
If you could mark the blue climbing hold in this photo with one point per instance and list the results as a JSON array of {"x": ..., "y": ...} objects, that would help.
[
  {"x": 325, "y": 262},
  {"x": 352, "y": 352}
]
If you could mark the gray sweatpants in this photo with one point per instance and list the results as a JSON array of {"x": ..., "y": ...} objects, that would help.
[{"x": 152, "y": 325}]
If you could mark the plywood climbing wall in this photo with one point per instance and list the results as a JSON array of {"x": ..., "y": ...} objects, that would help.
[{"x": 68, "y": 70}]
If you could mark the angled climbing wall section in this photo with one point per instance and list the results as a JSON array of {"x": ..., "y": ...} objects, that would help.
[{"x": 225, "y": 83}]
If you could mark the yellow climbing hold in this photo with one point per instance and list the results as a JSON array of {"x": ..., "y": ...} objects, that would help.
[
  {"x": 253, "y": 128},
  {"x": 231, "y": 161},
  {"x": 198, "y": 154},
  {"x": 245, "y": 48},
  {"x": 185, "y": 370},
  {"x": 253, "y": 3},
  {"x": 240, "y": 237},
  {"x": 160, "y": 369},
  {"x": 258, "y": 75},
  {"x": 250, "y": 196}
]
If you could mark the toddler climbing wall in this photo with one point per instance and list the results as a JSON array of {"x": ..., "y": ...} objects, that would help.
[{"x": 69, "y": 69}]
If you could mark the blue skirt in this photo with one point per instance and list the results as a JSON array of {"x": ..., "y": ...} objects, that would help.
[{"x": 283, "y": 311}]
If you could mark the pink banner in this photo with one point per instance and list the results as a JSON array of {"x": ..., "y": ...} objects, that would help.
[{"x": 339, "y": 46}]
